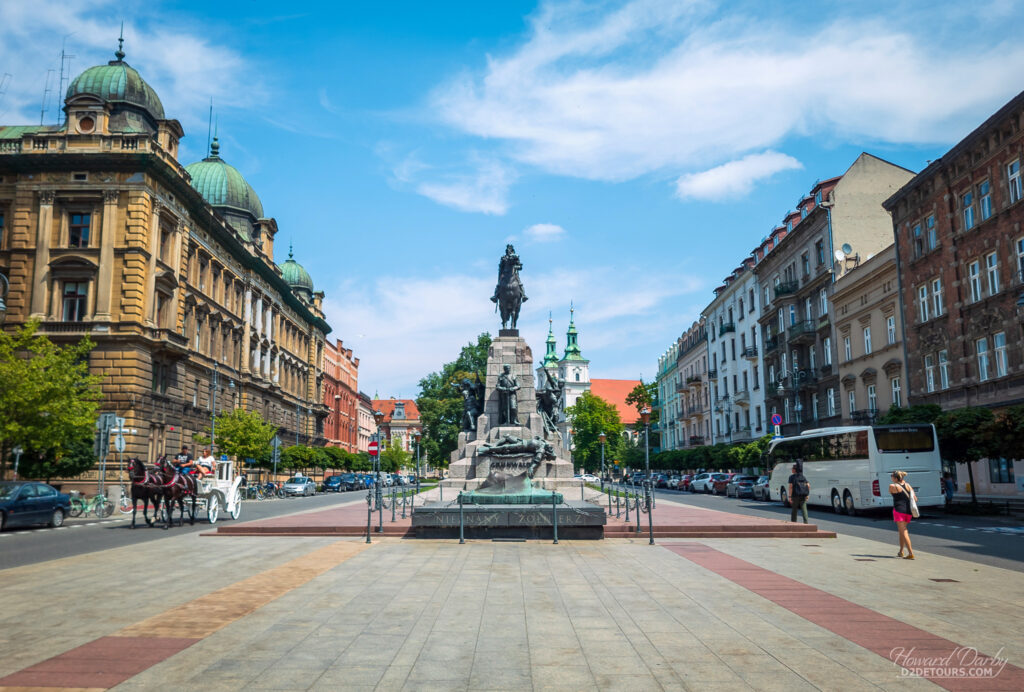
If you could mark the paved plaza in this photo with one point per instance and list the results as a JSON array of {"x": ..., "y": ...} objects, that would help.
[{"x": 212, "y": 613}]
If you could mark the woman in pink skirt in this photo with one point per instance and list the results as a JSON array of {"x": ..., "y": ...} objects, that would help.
[{"x": 901, "y": 493}]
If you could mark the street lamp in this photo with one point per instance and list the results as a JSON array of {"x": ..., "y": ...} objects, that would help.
[
  {"x": 417, "y": 436},
  {"x": 645, "y": 415},
  {"x": 602, "y": 438},
  {"x": 378, "y": 417}
]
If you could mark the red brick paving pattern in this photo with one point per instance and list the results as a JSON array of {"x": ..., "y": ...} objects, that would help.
[
  {"x": 102, "y": 663},
  {"x": 862, "y": 626}
]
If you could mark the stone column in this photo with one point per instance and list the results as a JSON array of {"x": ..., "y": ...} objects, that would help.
[
  {"x": 105, "y": 281},
  {"x": 41, "y": 270},
  {"x": 277, "y": 367},
  {"x": 259, "y": 316},
  {"x": 246, "y": 331},
  {"x": 149, "y": 319}
]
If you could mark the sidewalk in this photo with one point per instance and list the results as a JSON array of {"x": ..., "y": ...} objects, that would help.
[{"x": 322, "y": 613}]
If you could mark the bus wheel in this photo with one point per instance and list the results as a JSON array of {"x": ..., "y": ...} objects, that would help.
[
  {"x": 783, "y": 496},
  {"x": 848, "y": 503},
  {"x": 837, "y": 504}
]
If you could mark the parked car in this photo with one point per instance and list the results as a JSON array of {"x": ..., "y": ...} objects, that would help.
[
  {"x": 334, "y": 484},
  {"x": 761, "y": 489},
  {"x": 684, "y": 481},
  {"x": 740, "y": 486},
  {"x": 673, "y": 481},
  {"x": 25, "y": 503},
  {"x": 300, "y": 485},
  {"x": 719, "y": 483},
  {"x": 590, "y": 478},
  {"x": 350, "y": 481},
  {"x": 660, "y": 480},
  {"x": 702, "y": 483}
]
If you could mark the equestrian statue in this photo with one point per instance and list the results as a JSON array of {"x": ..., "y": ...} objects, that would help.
[{"x": 509, "y": 294}]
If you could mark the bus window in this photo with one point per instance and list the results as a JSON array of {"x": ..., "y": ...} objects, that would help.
[{"x": 905, "y": 439}]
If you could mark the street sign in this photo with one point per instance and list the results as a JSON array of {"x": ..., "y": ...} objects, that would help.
[
  {"x": 776, "y": 419},
  {"x": 119, "y": 443},
  {"x": 778, "y": 432},
  {"x": 372, "y": 448}
]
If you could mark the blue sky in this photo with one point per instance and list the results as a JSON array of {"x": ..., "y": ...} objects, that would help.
[{"x": 635, "y": 152}]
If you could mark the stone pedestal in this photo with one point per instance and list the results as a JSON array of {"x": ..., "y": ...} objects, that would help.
[{"x": 467, "y": 468}]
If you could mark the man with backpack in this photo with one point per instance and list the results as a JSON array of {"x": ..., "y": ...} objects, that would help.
[{"x": 799, "y": 490}]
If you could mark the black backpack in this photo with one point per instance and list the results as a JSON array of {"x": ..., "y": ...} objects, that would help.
[{"x": 801, "y": 487}]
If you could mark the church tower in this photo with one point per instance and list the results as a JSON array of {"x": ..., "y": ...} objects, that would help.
[
  {"x": 573, "y": 367},
  {"x": 550, "y": 362}
]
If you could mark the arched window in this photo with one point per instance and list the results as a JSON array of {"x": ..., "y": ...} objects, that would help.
[{"x": 577, "y": 376}]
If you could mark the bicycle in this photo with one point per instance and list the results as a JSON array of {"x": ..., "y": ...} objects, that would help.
[
  {"x": 98, "y": 505},
  {"x": 125, "y": 505},
  {"x": 254, "y": 492}
]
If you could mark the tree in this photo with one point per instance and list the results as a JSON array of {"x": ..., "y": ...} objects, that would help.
[
  {"x": 964, "y": 438},
  {"x": 440, "y": 403},
  {"x": 71, "y": 459},
  {"x": 394, "y": 458},
  {"x": 643, "y": 396},
  {"x": 589, "y": 417},
  {"x": 337, "y": 458},
  {"x": 48, "y": 399},
  {"x": 245, "y": 435},
  {"x": 919, "y": 413},
  {"x": 361, "y": 463}
]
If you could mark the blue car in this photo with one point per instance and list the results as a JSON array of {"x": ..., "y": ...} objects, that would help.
[{"x": 26, "y": 504}]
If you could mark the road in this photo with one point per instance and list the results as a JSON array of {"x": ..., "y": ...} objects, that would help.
[
  {"x": 29, "y": 546},
  {"x": 996, "y": 541}
]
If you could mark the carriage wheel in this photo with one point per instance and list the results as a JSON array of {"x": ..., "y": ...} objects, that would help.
[
  {"x": 237, "y": 506},
  {"x": 125, "y": 505},
  {"x": 213, "y": 507}
]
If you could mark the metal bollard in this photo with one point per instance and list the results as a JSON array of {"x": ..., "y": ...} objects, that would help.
[
  {"x": 627, "y": 504},
  {"x": 650, "y": 514},
  {"x": 403, "y": 502},
  {"x": 554, "y": 516},
  {"x": 440, "y": 487},
  {"x": 462, "y": 522},
  {"x": 617, "y": 512},
  {"x": 369, "y": 515},
  {"x": 609, "y": 501},
  {"x": 583, "y": 489},
  {"x": 393, "y": 497},
  {"x": 638, "y": 513}
]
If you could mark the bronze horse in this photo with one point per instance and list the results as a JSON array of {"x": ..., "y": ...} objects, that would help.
[
  {"x": 176, "y": 487},
  {"x": 146, "y": 486},
  {"x": 509, "y": 294}
]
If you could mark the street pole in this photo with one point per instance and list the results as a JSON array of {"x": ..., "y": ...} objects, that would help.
[
  {"x": 17, "y": 457},
  {"x": 213, "y": 411},
  {"x": 602, "y": 437}
]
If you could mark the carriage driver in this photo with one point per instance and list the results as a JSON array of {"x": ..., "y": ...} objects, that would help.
[
  {"x": 206, "y": 464},
  {"x": 183, "y": 461}
]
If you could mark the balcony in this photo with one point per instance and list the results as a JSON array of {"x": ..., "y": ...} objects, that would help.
[
  {"x": 741, "y": 397},
  {"x": 750, "y": 353},
  {"x": 771, "y": 344},
  {"x": 726, "y": 328},
  {"x": 713, "y": 374},
  {"x": 682, "y": 388},
  {"x": 694, "y": 380},
  {"x": 801, "y": 332},
  {"x": 696, "y": 440},
  {"x": 786, "y": 288},
  {"x": 824, "y": 322}
]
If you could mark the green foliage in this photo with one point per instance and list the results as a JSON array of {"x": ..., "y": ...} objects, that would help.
[
  {"x": 964, "y": 438},
  {"x": 643, "y": 396},
  {"x": 48, "y": 399},
  {"x": 440, "y": 403},
  {"x": 919, "y": 413},
  {"x": 337, "y": 458},
  {"x": 299, "y": 457},
  {"x": 244, "y": 434},
  {"x": 720, "y": 456},
  {"x": 360, "y": 463},
  {"x": 393, "y": 458},
  {"x": 589, "y": 417},
  {"x": 1005, "y": 435},
  {"x": 71, "y": 459}
]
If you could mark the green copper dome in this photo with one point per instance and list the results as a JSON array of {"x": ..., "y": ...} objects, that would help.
[
  {"x": 294, "y": 274},
  {"x": 117, "y": 82},
  {"x": 223, "y": 186}
]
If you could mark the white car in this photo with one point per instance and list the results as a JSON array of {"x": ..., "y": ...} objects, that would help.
[
  {"x": 590, "y": 478},
  {"x": 702, "y": 483}
]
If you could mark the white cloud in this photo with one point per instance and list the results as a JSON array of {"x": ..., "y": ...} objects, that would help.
[
  {"x": 398, "y": 344},
  {"x": 544, "y": 232},
  {"x": 656, "y": 85},
  {"x": 484, "y": 190},
  {"x": 734, "y": 179}
]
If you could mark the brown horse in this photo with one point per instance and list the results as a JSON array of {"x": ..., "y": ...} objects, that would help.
[
  {"x": 176, "y": 487},
  {"x": 146, "y": 486}
]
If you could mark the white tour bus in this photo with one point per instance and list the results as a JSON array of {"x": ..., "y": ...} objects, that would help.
[{"x": 850, "y": 467}]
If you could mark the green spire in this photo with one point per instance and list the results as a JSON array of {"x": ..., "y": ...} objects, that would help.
[
  {"x": 572, "y": 347},
  {"x": 551, "y": 357}
]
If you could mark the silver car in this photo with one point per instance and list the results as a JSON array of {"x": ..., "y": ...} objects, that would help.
[{"x": 300, "y": 485}]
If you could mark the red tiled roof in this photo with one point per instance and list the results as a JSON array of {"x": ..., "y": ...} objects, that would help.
[
  {"x": 387, "y": 407},
  {"x": 615, "y": 393}
]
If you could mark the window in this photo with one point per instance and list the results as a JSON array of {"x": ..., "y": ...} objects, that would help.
[
  {"x": 929, "y": 373},
  {"x": 78, "y": 230},
  {"x": 811, "y": 357},
  {"x": 805, "y": 263},
  {"x": 974, "y": 280},
  {"x": 819, "y": 251},
  {"x": 830, "y": 398},
  {"x": 165, "y": 245},
  {"x": 1, "y": 230},
  {"x": 867, "y": 340},
  {"x": 851, "y": 397},
  {"x": 75, "y": 293},
  {"x": 814, "y": 406},
  {"x": 826, "y": 349},
  {"x": 992, "y": 271},
  {"x": 1013, "y": 179},
  {"x": 943, "y": 369},
  {"x": 985, "y": 199},
  {"x": 792, "y": 315},
  {"x": 1020, "y": 259},
  {"x": 808, "y": 309},
  {"x": 782, "y": 322},
  {"x": 918, "y": 240},
  {"x": 981, "y": 349},
  {"x": 1000, "y": 471},
  {"x": 922, "y": 303},
  {"x": 767, "y": 296},
  {"x": 933, "y": 236},
  {"x": 1002, "y": 364},
  {"x": 894, "y": 385},
  {"x": 741, "y": 308},
  {"x": 967, "y": 203},
  {"x": 785, "y": 410},
  {"x": 937, "y": 301},
  {"x": 823, "y": 302},
  {"x": 847, "y": 351},
  {"x": 890, "y": 329}
]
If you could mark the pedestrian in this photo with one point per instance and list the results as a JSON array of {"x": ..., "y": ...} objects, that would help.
[
  {"x": 901, "y": 494},
  {"x": 948, "y": 487},
  {"x": 799, "y": 490},
  {"x": 183, "y": 461},
  {"x": 206, "y": 464}
]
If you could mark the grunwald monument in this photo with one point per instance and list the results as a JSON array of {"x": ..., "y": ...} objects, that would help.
[{"x": 510, "y": 472}]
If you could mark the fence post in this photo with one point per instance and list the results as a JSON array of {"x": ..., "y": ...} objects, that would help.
[
  {"x": 462, "y": 523},
  {"x": 554, "y": 516},
  {"x": 650, "y": 514},
  {"x": 393, "y": 496},
  {"x": 369, "y": 515}
]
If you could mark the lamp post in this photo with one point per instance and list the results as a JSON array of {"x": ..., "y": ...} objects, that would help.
[
  {"x": 417, "y": 436},
  {"x": 645, "y": 415},
  {"x": 17, "y": 457},
  {"x": 602, "y": 438},
  {"x": 378, "y": 492}
]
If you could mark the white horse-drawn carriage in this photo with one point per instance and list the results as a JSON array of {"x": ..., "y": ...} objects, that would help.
[{"x": 220, "y": 491}]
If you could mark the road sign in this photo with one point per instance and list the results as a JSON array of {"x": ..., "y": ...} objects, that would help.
[
  {"x": 776, "y": 419},
  {"x": 372, "y": 448},
  {"x": 119, "y": 443}
]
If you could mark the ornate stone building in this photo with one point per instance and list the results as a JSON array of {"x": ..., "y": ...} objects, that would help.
[
  {"x": 169, "y": 268},
  {"x": 960, "y": 258},
  {"x": 401, "y": 421},
  {"x": 341, "y": 396}
]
